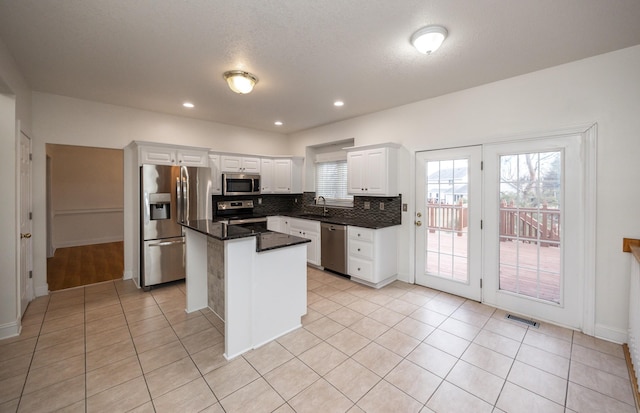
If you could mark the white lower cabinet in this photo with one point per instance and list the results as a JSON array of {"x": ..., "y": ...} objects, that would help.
[
  {"x": 278, "y": 224},
  {"x": 372, "y": 255},
  {"x": 310, "y": 230}
]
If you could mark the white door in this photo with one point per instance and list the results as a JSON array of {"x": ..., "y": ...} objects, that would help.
[
  {"x": 448, "y": 213},
  {"x": 534, "y": 229},
  {"x": 26, "y": 283}
]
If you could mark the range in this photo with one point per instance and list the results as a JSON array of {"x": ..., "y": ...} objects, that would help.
[{"x": 240, "y": 213}]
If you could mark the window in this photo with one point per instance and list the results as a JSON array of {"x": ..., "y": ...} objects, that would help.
[{"x": 331, "y": 182}]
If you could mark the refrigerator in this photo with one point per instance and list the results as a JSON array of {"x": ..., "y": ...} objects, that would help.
[{"x": 169, "y": 195}]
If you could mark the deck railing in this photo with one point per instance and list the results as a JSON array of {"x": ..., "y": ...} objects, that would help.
[
  {"x": 523, "y": 224},
  {"x": 530, "y": 225},
  {"x": 447, "y": 216}
]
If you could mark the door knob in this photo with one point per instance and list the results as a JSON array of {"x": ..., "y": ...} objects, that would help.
[
  {"x": 27, "y": 235},
  {"x": 418, "y": 223}
]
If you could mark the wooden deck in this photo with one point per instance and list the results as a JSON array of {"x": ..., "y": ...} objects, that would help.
[{"x": 524, "y": 278}]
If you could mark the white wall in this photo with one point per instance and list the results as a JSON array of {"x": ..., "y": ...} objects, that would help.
[
  {"x": 603, "y": 89},
  {"x": 15, "y": 108},
  {"x": 69, "y": 121}
]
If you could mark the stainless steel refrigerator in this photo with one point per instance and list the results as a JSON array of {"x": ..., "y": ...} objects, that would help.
[{"x": 169, "y": 195}]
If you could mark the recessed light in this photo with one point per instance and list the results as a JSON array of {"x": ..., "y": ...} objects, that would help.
[
  {"x": 278, "y": 123},
  {"x": 188, "y": 105},
  {"x": 338, "y": 103}
]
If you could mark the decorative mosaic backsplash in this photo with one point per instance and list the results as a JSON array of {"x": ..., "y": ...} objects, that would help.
[{"x": 305, "y": 204}]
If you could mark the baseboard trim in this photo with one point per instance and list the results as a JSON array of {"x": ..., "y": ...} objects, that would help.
[
  {"x": 83, "y": 242},
  {"x": 9, "y": 330},
  {"x": 42, "y": 290},
  {"x": 632, "y": 376},
  {"x": 611, "y": 334}
]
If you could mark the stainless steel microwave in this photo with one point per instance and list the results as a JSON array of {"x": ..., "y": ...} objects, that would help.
[{"x": 240, "y": 184}]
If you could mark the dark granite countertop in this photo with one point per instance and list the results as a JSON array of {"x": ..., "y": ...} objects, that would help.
[
  {"x": 356, "y": 222},
  {"x": 264, "y": 241},
  {"x": 272, "y": 240}
]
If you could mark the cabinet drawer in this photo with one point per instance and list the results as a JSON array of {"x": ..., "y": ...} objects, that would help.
[
  {"x": 361, "y": 268},
  {"x": 362, "y": 234},
  {"x": 361, "y": 249}
]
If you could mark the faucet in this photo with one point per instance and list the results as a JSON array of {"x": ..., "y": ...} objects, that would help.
[{"x": 324, "y": 203}]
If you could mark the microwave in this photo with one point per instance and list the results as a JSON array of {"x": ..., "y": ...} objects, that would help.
[{"x": 240, "y": 184}]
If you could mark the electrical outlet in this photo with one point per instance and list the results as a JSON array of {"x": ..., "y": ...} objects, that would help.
[
  {"x": 367, "y": 205},
  {"x": 381, "y": 206}
]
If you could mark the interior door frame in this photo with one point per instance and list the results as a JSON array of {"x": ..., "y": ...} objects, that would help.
[{"x": 24, "y": 297}]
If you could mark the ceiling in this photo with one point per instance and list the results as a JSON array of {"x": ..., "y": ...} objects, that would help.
[{"x": 156, "y": 54}]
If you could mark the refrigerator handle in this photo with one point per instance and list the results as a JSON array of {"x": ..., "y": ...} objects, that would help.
[
  {"x": 179, "y": 199},
  {"x": 184, "y": 176},
  {"x": 146, "y": 208}
]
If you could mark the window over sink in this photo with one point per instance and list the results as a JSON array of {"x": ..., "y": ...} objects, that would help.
[{"x": 331, "y": 182}]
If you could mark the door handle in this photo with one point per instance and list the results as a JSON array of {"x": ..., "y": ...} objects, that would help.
[
  {"x": 25, "y": 235},
  {"x": 419, "y": 214},
  {"x": 418, "y": 223}
]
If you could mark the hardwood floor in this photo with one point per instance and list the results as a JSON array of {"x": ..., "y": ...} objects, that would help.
[{"x": 84, "y": 265}]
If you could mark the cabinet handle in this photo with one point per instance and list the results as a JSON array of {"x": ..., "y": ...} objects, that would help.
[
  {"x": 358, "y": 234},
  {"x": 358, "y": 249},
  {"x": 358, "y": 268}
]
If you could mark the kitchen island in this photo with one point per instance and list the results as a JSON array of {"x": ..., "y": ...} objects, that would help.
[{"x": 255, "y": 282}]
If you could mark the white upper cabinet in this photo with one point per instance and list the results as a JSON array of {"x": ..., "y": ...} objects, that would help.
[
  {"x": 266, "y": 176},
  {"x": 189, "y": 157},
  {"x": 373, "y": 171},
  {"x": 241, "y": 164},
  {"x": 281, "y": 175},
  {"x": 172, "y": 155},
  {"x": 216, "y": 175}
]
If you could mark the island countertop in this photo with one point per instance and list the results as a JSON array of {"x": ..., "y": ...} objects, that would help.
[{"x": 264, "y": 240}]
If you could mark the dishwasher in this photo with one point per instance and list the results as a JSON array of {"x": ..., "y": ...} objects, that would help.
[{"x": 333, "y": 247}]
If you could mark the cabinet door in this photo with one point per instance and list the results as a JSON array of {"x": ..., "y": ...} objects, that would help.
[
  {"x": 230, "y": 163},
  {"x": 266, "y": 176},
  {"x": 376, "y": 171},
  {"x": 216, "y": 176},
  {"x": 281, "y": 176},
  {"x": 192, "y": 158},
  {"x": 313, "y": 248},
  {"x": 157, "y": 156},
  {"x": 274, "y": 224},
  {"x": 355, "y": 172},
  {"x": 251, "y": 165}
]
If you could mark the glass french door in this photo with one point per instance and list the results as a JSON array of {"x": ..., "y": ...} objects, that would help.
[
  {"x": 533, "y": 231},
  {"x": 447, "y": 221}
]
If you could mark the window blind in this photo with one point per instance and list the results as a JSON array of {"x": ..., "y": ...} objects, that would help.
[{"x": 331, "y": 182}]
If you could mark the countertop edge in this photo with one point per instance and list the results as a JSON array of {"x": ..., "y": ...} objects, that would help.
[{"x": 339, "y": 221}]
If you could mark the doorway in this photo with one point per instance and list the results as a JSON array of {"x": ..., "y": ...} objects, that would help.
[
  {"x": 535, "y": 206},
  {"x": 85, "y": 207}
]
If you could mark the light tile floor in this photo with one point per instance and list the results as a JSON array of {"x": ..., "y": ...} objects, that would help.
[{"x": 110, "y": 347}]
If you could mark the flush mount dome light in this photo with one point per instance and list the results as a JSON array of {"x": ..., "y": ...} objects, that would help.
[
  {"x": 428, "y": 39},
  {"x": 240, "y": 81}
]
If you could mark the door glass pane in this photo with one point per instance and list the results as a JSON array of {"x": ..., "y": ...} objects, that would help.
[
  {"x": 530, "y": 244},
  {"x": 447, "y": 219}
]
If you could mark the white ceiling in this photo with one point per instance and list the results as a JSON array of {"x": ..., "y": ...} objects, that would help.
[{"x": 155, "y": 54}]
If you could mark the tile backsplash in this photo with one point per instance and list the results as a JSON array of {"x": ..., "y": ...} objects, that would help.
[{"x": 304, "y": 203}]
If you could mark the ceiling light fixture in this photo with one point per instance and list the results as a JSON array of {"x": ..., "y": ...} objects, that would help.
[
  {"x": 338, "y": 103},
  {"x": 428, "y": 39},
  {"x": 240, "y": 81},
  {"x": 188, "y": 105},
  {"x": 278, "y": 123}
]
